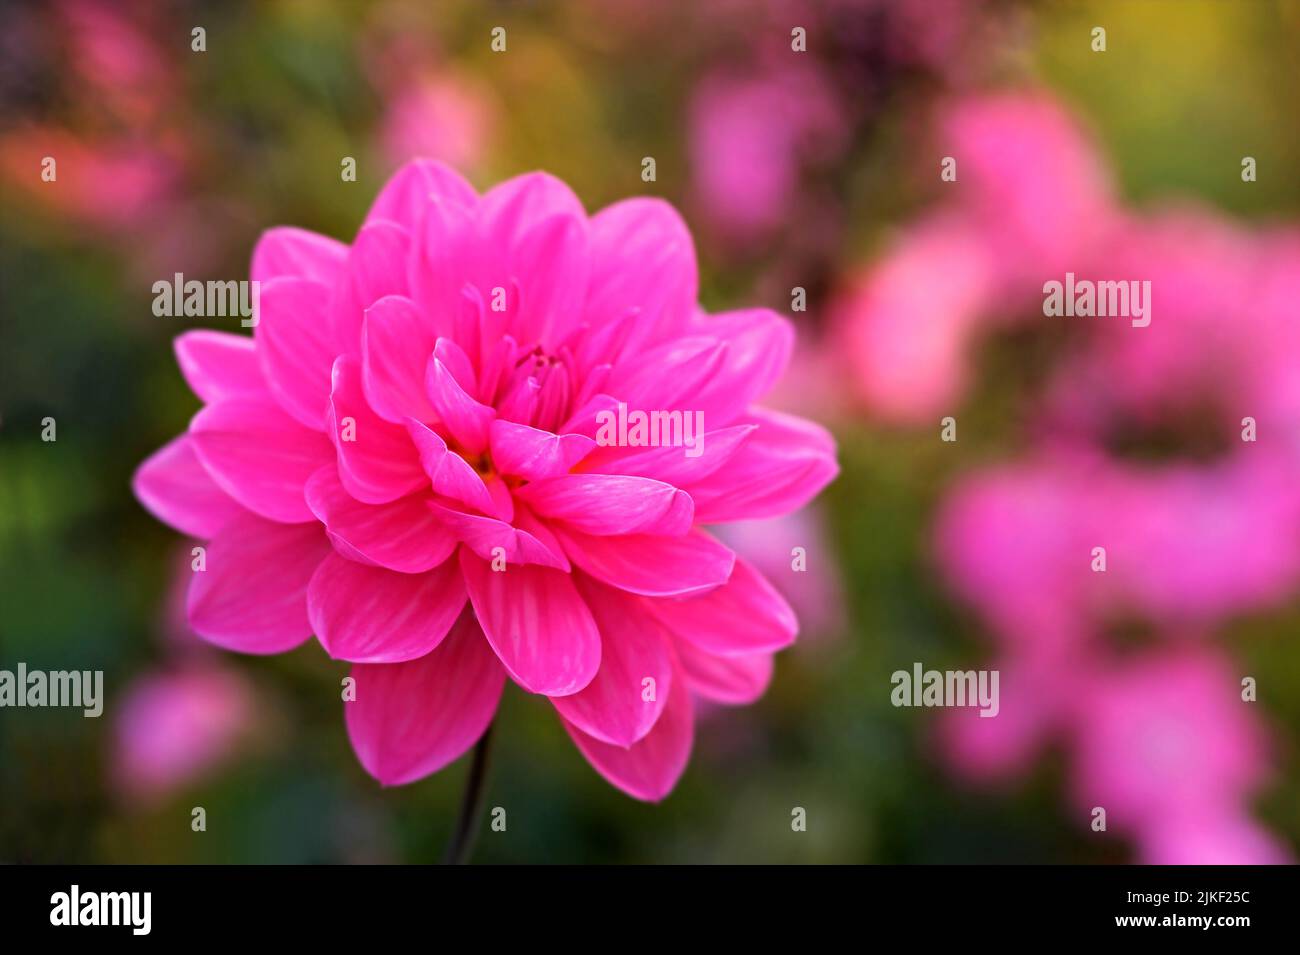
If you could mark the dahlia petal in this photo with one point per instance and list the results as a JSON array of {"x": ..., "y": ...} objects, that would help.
[
  {"x": 611, "y": 504},
  {"x": 451, "y": 475},
  {"x": 511, "y": 208},
  {"x": 732, "y": 680},
  {"x": 410, "y": 190},
  {"x": 174, "y": 487},
  {"x": 551, "y": 264},
  {"x": 744, "y": 616},
  {"x": 466, "y": 419},
  {"x": 533, "y": 454},
  {"x": 650, "y": 767},
  {"x": 671, "y": 376},
  {"x": 613, "y": 707},
  {"x": 649, "y": 565},
  {"x": 219, "y": 365},
  {"x": 296, "y": 346},
  {"x": 259, "y": 455},
  {"x": 376, "y": 268},
  {"x": 252, "y": 595},
  {"x": 779, "y": 469},
  {"x": 411, "y": 719},
  {"x": 674, "y": 465},
  {"x": 297, "y": 253},
  {"x": 759, "y": 345},
  {"x": 403, "y": 536},
  {"x": 377, "y": 462},
  {"x": 484, "y": 535},
  {"x": 396, "y": 342},
  {"x": 537, "y": 623},
  {"x": 371, "y": 615},
  {"x": 445, "y": 257},
  {"x": 458, "y": 363},
  {"x": 642, "y": 257}
]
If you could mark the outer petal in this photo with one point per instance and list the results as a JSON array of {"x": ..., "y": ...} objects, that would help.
[
  {"x": 650, "y": 565},
  {"x": 483, "y": 535},
  {"x": 376, "y": 267},
  {"x": 412, "y": 187},
  {"x": 733, "y": 680},
  {"x": 537, "y": 623},
  {"x": 286, "y": 251},
  {"x": 778, "y": 469},
  {"x": 396, "y": 343},
  {"x": 403, "y": 536},
  {"x": 618, "y": 706},
  {"x": 411, "y": 719},
  {"x": 379, "y": 464},
  {"x": 679, "y": 466},
  {"x": 219, "y": 365},
  {"x": 176, "y": 489},
  {"x": 642, "y": 258},
  {"x": 744, "y": 616},
  {"x": 296, "y": 346},
  {"x": 611, "y": 504},
  {"x": 252, "y": 594},
  {"x": 759, "y": 345},
  {"x": 372, "y": 615},
  {"x": 259, "y": 455},
  {"x": 649, "y": 768}
]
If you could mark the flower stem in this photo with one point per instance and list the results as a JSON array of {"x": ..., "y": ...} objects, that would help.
[{"x": 471, "y": 804}]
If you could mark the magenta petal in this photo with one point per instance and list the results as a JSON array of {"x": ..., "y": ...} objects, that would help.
[
  {"x": 484, "y": 535},
  {"x": 252, "y": 595},
  {"x": 259, "y": 455},
  {"x": 371, "y": 615},
  {"x": 627, "y": 695},
  {"x": 537, "y": 623},
  {"x": 611, "y": 504},
  {"x": 759, "y": 345},
  {"x": 673, "y": 465},
  {"x": 779, "y": 468},
  {"x": 376, "y": 460},
  {"x": 411, "y": 719},
  {"x": 376, "y": 268},
  {"x": 732, "y": 680},
  {"x": 642, "y": 257},
  {"x": 297, "y": 253},
  {"x": 410, "y": 189},
  {"x": 512, "y": 207},
  {"x": 177, "y": 490},
  {"x": 403, "y": 536},
  {"x": 464, "y": 418},
  {"x": 450, "y": 474},
  {"x": 396, "y": 342},
  {"x": 445, "y": 258},
  {"x": 649, "y": 565},
  {"x": 296, "y": 346},
  {"x": 521, "y": 451},
  {"x": 551, "y": 264},
  {"x": 219, "y": 365},
  {"x": 650, "y": 767},
  {"x": 744, "y": 616}
]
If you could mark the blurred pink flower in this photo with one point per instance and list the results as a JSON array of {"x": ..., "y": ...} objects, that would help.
[
  {"x": 173, "y": 727},
  {"x": 751, "y": 137},
  {"x": 411, "y": 428},
  {"x": 440, "y": 116}
]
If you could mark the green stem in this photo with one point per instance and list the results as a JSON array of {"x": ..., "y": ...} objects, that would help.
[{"x": 471, "y": 804}]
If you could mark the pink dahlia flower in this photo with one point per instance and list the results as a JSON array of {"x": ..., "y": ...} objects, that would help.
[{"x": 402, "y": 460}]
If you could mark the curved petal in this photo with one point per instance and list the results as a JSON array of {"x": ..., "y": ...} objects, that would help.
[
  {"x": 259, "y": 455},
  {"x": 492, "y": 538},
  {"x": 297, "y": 253},
  {"x": 410, "y": 189},
  {"x": 371, "y": 615},
  {"x": 219, "y": 365},
  {"x": 403, "y": 536},
  {"x": 759, "y": 345},
  {"x": 530, "y": 453},
  {"x": 466, "y": 419},
  {"x": 376, "y": 267},
  {"x": 537, "y": 623},
  {"x": 625, "y": 698},
  {"x": 175, "y": 488},
  {"x": 732, "y": 680},
  {"x": 679, "y": 466},
  {"x": 296, "y": 346},
  {"x": 376, "y": 459},
  {"x": 611, "y": 504},
  {"x": 252, "y": 595},
  {"x": 744, "y": 616},
  {"x": 411, "y": 719},
  {"x": 649, "y": 565},
  {"x": 650, "y": 767},
  {"x": 396, "y": 342}
]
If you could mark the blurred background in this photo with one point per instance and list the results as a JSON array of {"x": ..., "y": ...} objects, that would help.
[{"x": 818, "y": 170}]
